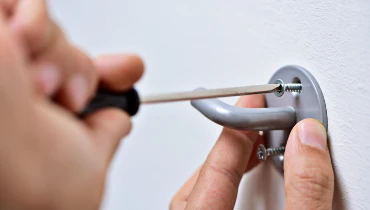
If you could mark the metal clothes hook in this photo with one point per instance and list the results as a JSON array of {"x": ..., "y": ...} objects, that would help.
[
  {"x": 281, "y": 114},
  {"x": 246, "y": 119}
]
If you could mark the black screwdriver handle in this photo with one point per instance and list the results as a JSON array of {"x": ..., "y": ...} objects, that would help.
[{"x": 127, "y": 101}]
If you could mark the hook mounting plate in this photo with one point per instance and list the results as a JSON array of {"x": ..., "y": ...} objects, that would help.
[{"x": 310, "y": 103}]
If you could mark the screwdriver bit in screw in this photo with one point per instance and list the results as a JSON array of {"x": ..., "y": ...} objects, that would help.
[
  {"x": 263, "y": 153},
  {"x": 288, "y": 87}
]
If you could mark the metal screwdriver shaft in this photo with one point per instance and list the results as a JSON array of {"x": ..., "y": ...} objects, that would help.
[
  {"x": 130, "y": 101},
  {"x": 215, "y": 93}
]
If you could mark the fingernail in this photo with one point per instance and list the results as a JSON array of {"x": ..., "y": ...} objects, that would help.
[
  {"x": 78, "y": 90},
  {"x": 49, "y": 77},
  {"x": 313, "y": 134}
]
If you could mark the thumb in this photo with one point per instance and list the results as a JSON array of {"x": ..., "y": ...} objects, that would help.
[{"x": 308, "y": 172}]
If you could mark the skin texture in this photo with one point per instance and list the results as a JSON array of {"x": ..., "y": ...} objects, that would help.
[
  {"x": 215, "y": 185},
  {"x": 49, "y": 158},
  {"x": 52, "y": 160},
  {"x": 308, "y": 172}
]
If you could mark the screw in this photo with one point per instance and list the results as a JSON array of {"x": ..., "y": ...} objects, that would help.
[
  {"x": 288, "y": 87},
  {"x": 263, "y": 153}
]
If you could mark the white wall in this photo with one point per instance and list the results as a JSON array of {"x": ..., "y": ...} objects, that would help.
[{"x": 214, "y": 43}]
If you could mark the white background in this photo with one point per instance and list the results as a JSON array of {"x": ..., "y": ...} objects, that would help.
[{"x": 215, "y": 43}]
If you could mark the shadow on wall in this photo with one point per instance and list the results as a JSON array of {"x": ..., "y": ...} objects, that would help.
[
  {"x": 339, "y": 203},
  {"x": 262, "y": 188}
]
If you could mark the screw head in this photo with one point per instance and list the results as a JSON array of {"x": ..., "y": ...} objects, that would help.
[
  {"x": 261, "y": 153},
  {"x": 282, "y": 89}
]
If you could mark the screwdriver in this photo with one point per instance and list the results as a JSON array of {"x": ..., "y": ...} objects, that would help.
[{"x": 129, "y": 101}]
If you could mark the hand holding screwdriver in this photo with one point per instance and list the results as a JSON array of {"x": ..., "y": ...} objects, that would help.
[{"x": 52, "y": 160}]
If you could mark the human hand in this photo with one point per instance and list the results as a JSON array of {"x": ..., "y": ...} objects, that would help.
[
  {"x": 49, "y": 158},
  {"x": 60, "y": 69},
  {"x": 308, "y": 173}
]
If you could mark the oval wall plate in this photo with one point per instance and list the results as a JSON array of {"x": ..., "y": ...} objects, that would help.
[{"x": 310, "y": 103}]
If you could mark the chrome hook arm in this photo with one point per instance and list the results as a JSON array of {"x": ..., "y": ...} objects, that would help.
[{"x": 246, "y": 119}]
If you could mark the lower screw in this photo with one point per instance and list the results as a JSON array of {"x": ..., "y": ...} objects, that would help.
[
  {"x": 288, "y": 87},
  {"x": 263, "y": 153}
]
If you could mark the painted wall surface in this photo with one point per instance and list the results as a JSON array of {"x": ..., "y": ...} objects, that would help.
[{"x": 215, "y": 44}]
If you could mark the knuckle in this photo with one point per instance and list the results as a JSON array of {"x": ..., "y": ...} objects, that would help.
[
  {"x": 35, "y": 25},
  {"x": 232, "y": 176},
  {"x": 85, "y": 64},
  {"x": 37, "y": 18},
  {"x": 7, "y": 6},
  {"x": 311, "y": 183}
]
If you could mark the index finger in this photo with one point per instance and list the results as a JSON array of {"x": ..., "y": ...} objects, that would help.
[
  {"x": 119, "y": 72},
  {"x": 219, "y": 178}
]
